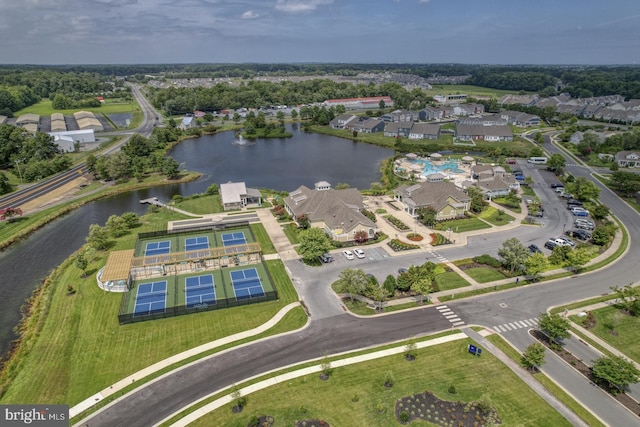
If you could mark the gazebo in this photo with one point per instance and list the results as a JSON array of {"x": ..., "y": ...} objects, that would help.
[
  {"x": 435, "y": 156},
  {"x": 411, "y": 156}
]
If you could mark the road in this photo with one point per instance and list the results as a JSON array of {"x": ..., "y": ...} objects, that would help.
[{"x": 18, "y": 198}]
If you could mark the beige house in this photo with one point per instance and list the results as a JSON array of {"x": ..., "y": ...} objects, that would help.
[
  {"x": 628, "y": 159},
  {"x": 337, "y": 212},
  {"x": 236, "y": 195},
  {"x": 447, "y": 199}
]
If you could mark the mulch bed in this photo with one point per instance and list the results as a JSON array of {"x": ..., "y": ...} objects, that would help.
[
  {"x": 585, "y": 370},
  {"x": 263, "y": 421},
  {"x": 311, "y": 423},
  {"x": 426, "y": 406}
]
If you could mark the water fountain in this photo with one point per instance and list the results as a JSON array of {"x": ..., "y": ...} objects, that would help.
[{"x": 242, "y": 141}]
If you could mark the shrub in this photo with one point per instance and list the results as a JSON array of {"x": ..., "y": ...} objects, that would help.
[
  {"x": 396, "y": 222},
  {"x": 368, "y": 214},
  {"x": 488, "y": 260},
  {"x": 452, "y": 389},
  {"x": 398, "y": 246},
  {"x": 404, "y": 416}
]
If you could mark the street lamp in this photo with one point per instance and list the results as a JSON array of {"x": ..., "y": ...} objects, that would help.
[{"x": 17, "y": 162}]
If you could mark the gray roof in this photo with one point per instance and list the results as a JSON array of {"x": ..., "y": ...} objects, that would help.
[
  {"x": 337, "y": 208},
  {"x": 425, "y": 129},
  {"x": 434, "y": 194}
]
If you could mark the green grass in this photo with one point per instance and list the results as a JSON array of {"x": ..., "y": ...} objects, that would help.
[
  {"x": 293, "y": 233},
  {"x": 202, "y": 205},
  {"x": 468, "y": 90},
  {"x": 625, "y": 326},
  {"x": 44, "y": 108},
  {"x": 557, "y": 391},
  {"x": 450, "y": 280},
  {"x": 495, "y": 217},
  {"x": 484, "y": 274},
  {"x": 332, "y": 400},
  {"x": 462, "y": 225},
  {"x": 263, "y": 238},
  {"x": 74, "y": 346}
]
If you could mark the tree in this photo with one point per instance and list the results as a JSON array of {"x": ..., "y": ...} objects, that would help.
[
  {"x": 422, "y": 287},
  {"x": 342, "y": 186},
  {"x": 578, "y": 258},
  {"x": 604, "y": 234},
  {"x": 137, "y": 146},
  {"x": 116, "y": 226},
  {"x": 535, "y": 264},
  {"x": 378, "y": 294},
  {"x": 478, "y": 202},
  {"x": 536, "y": 152},
  {"x": 557, "y": 162},
  {"x": 131, "y": 219},
  {"x": 9, "y": 213},
  {"x": 361, "y": 236},
  {"x": 313, "y": 243},
  {"x": 303, "y": 221},
  {"x": 98, "y": 237},
  {"x": 554, "y": 326},
  {"x": 583, "y": 189},
  {"x": 81, "y": 262},
  {"x": 533, "y": 356},
  {"x": 616, "y": 371},
  {"x": 427, "y": 216},
  {"x": 389, "y": 285},
  {"x": 170, "y": 168},
  {"x": 628, "y": 299},
  {"x": 212, "y": 189},
  {"x": 410, "y": 350},
  {"x": 513, "y": 253},
  {"x": 559, "y": 255},
  {"x": 352, "y": 281},
  {"x": 5, "y": 186},
  {"x": 294, "y": 114}
]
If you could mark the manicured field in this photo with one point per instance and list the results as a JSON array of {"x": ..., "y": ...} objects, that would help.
[
  {"x": 350, "y": 396},
  {"x": 485, "y": 274},
  {"x": 201, "y": 205},
  {"x": 75, "y": 347},
  {"x": 44, "y": 108},
  {"x": 468, "y": 90},
  {"x": 495, "y": 217},
  {"x": 450, "y": 280},
  {"x": 618, "y": 329},
  {"x": 462, "y": 225}
]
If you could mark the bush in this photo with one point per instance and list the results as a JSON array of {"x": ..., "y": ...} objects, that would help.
[
  {"x": 488, "y": 260},
  {"x": 396, "y": 222},
  {"x": 404, "y": 417},
  {"x": 398, "y": 246},
  {"x": 369, "y": 215}
]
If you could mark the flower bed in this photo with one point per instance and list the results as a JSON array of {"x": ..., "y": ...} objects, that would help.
[
  {"x": 438, "y": 239},
  {"x": 427, "y": 407},
  {"x": 415, "y": 237},
  {"x": 398, "y": 246},
  {"x": 396, "y": 222}
]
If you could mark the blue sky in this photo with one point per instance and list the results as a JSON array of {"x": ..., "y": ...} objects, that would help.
[{"x": 371, "y": 31}]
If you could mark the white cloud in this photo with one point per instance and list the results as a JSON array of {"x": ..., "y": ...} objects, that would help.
[
  {"x": 298, "y": 6},
  {"x": 250, "y": 14}
]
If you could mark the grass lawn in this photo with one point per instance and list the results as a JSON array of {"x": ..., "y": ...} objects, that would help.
[
  {"x": 468, "y": 90},
  {"x": 202, "y": 205},
  {"x": 624, "y": 325},
  {"x": 495, "y": 216},
  {"x": 485, "y": 274},
  {"x": 74, "y": 346},
  {"x": 462, "y": 225},
  {"x": 293, "y": 233},
  {"x": 435, "y": 369},
  {"x": 450, "y": 280},
  {"x": 263, "y": 238}
]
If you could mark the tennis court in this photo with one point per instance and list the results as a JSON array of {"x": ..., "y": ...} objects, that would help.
[
  {"x": 196, "y": 243},
  {"x": 237, "y": 238},
  {"x": 157, "y": 248},
  {"x": 199, "y": 290},
  {"x": 246, "y": 284},
  {"x": 151, "y": 298}
]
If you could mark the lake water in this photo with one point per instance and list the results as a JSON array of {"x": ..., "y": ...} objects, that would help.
[{"x": 281, "y": 164}]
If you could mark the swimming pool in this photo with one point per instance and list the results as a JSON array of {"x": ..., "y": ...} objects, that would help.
[{"x": 429, "y": 168}]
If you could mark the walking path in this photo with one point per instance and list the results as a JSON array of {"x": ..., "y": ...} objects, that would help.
[{"x": 143, "y": 373}]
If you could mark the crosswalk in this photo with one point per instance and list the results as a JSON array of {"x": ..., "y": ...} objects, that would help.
[
  {"x": 450, "y": 315},
  {"x": 437, "y": 256},
  {"x": 517, "y": 324}
]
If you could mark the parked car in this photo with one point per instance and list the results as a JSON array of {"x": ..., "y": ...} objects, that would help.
[
  {"x": 584, "y": 224},
  {"x": 534, "y": 249},
  {"x": 550, "y": 244},
  {"x": 359, "y": 253},
  {"x": 554, "y": 186},
  {"x": 566, "y": 242},
  {"x": 566, "y": 195},
  {"x": 325, "y": 258},
  {"x": 402, "y": 270},
  {"x": 558, "y": 189},
  {"x": 573, "y": 202},
  {"x": 579, "y": 212},
  {"x": 579, "y": 234},
  {"x": 348, "y": 254}
]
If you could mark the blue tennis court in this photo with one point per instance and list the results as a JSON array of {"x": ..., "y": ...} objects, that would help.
[
  {"x": 246, "y": 284},
  {"x": 237, "y": 238},
  {"x": 157, "y": 248},
  {"x": 199, "y": 290},
  {"x": 151, "y": 298},
  {"x": 196, "y": 243}
]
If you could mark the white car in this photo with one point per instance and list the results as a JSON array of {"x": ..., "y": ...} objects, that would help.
[
  {"x": 348, "y": 254},
  {"x": 359, "y": 253}
]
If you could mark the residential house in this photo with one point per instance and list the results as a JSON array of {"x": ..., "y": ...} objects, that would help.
[
  {"x": 398, "y": 129},
  {"x": 447, "y": 199},
  {"x": 236, "y": 195},
  {"x": 360, "y": 103},
  {"x": 435, "y": 113},
  {"x": 337, "y": 212},
  {"x": 340, "y": 121},
  {"x": 526, "y": 100},
  {"x": 518, "y": 118},
  {"x": 365, "y": 125},
  {"x": 467, "y": 109},
  {"x": 425, "y": 131},
  {"x": 494, "y": 181},
  {"x": 628, "y": 159},
  {"x": 486, "y": 120},
  {"x": 187, "y": 122},
  {"x": 403, "y": 116},
  {"x": 446, "y": 99},
  {"x": 484, "y": 133}
]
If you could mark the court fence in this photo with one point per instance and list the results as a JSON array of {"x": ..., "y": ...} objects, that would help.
[{"x": 125, "y": 316}]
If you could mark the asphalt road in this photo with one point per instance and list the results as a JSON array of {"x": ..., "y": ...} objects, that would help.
[{"x": 333, "y": 331}]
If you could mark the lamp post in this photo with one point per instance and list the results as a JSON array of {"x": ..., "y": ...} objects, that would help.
[{"x": 17, "y": 162}]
